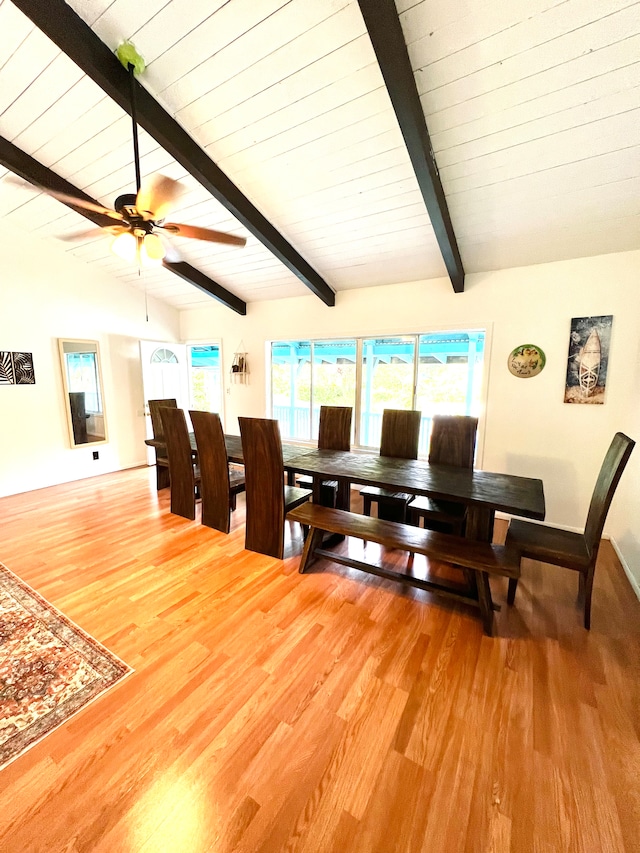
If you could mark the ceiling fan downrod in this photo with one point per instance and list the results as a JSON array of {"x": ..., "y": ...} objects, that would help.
[{"x": 136, "y": 150}]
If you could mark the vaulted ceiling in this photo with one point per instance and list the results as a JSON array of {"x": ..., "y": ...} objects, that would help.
[{"x": 300, "y": 106}]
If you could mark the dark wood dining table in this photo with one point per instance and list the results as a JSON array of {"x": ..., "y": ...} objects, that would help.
[
  {"x": 234, "y": 448},
  {"x": 483, "y": 492}
]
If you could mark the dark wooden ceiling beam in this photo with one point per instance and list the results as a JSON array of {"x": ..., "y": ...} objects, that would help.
[
  {"x": 29, "y": 169},
  {"x": 206, "y": 284},
  {"x": 69, "y": 32},
  {"x": 387, "y": 38}
]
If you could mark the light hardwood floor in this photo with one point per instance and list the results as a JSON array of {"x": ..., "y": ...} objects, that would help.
[{"x": 271, "y": 711}]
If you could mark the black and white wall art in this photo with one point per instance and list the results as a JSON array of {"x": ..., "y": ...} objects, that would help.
[{"x": 16, "y": 368}]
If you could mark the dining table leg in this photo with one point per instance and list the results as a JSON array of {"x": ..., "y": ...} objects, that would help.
[
  {"x": 343, "y": 498},
  {"x": 479, "y": 523},
  {"x": 479, "y": 526}
]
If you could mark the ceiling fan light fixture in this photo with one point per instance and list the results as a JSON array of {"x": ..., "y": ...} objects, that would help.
[
  {"x": 151, "y": 251},
  {"x": 125, "y": 246},
  {"x": 147, "y": 250}
]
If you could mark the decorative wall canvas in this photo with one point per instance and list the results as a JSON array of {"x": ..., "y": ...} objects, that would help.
[
  {"x": 23, "y": 368},
  {"x": 16, "y": 368},
  {"x": 588, "y": 359},
  {"x": 7, "y": 376}
]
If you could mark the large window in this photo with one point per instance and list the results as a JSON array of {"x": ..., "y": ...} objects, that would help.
[{"x": 437, "y": 373}]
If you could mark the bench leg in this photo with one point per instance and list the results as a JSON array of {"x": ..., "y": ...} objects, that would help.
[
  {"x": 486, "y": 602},
  {"x": 312, "y": 541},
  {"x": 471, "y": 579}
]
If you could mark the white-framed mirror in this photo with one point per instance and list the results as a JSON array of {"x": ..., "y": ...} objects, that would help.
[{"x": 83, "y": 392}]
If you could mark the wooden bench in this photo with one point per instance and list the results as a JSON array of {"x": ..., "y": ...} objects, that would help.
[{"x": 478, "y": 560}]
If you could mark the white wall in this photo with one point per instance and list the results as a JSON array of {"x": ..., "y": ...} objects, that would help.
[
  {"x": 46, "y": 295},
  {"x": 529, "y": 430}
]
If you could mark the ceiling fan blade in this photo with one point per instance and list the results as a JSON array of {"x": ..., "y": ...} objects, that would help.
[
  {"x": 208, "y": 234},
  {"x": 85, "y": 205},
  {"x": 77, "y": 237},
  {"x": 66, "y": 198},
  {"x": 157, "y": 196}
]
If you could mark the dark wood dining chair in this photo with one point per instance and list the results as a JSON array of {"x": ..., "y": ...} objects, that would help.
[
  {"x": 219, "y": 482},
  {"x": 184, "y": 476},
  {"x": 162, "y": 461},
  {"x": 576, "y": 551},
  {"x": 452, "y": 442},
  {"x": 268, "y": 499},
  {"x": 399, "y": 439},
  {"x": 334, "y": 433}
]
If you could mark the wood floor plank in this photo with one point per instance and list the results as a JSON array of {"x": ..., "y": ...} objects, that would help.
[{"x": 274, "y": 712}]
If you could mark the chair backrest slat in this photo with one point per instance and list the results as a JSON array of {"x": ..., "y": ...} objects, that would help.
[
  {"x": 214, "y": 470},
  {"x": 453, "y": 440},
  {"x": 335, "y": 428},
  {"x": 613, "y": 465},
  {"x": 400, "y": 433},
  {"x": 264, "y": 478},
  {"x": 156, "y": 421},
  {"x": 176, "y": 436}
]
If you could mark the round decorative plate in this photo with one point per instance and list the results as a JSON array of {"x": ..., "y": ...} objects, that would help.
[{"x": 526, "y": 360}]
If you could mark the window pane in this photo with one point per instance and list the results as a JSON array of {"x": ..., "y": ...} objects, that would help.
[
  {"x": 205, "y": 377},
  {"x": 291, "y": 388},
  {"x": 334, "y": 376},
  {"x": 450, "y": 374},
  {"x": 387, "y": 382},
  {"x": 164, "y": 356}
]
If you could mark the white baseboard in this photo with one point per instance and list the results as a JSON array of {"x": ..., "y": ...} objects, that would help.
[{"x": 635, "y": 586}]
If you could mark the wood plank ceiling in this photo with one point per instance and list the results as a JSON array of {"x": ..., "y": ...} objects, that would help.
[{"x": 532, "y": 106}]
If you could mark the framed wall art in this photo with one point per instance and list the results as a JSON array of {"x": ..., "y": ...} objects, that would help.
[
  {"x": 16, "y": 368},
  {"x": 588, "y": 359}
]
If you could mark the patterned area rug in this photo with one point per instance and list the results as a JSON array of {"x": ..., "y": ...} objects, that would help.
[{"x": 49, "y": 668}]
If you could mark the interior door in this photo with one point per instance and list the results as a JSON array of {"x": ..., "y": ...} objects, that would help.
[{"x": 165, "y": 374}]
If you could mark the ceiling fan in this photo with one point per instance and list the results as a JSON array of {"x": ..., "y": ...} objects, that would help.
[{"x": 139, "y": 218}]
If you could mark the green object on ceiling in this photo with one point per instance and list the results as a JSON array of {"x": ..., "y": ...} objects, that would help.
[{"x": 128, "y": 55}]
